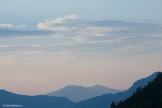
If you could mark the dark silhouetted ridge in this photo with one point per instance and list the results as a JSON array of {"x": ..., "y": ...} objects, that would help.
[{"x": 148, "y": 97}]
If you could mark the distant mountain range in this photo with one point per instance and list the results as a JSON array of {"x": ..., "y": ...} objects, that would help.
[
  {"x": 80, "y": 93},
  {"x": 43, "y": 101},
  {"x": 148, "y": 97},
  {"x": 105, "y": 101},
  {"x": 8, "y": 98}
]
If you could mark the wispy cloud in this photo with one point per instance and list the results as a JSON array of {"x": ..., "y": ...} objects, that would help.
[
  {"x": 12, "y": 25},
  {"x": 21, "y": 33},
  {"x": 5, "y": 46},
  {"x": 73, "y": 23},
  {"x": 72, "y": 32},
  {"x": 83, "y": 30},
  {"x": 129, "y": 49},
  {"x": 18, "y": 56},
  {"x": 59, "y": 24}
]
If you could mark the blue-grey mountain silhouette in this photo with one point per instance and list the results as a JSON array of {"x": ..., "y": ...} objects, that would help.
[
  {"x": 105, "y": 101},
  {"x": 149, "y": 96},
  {"x": 80, "y": 93},
  {"x": 41, "y": 101}
]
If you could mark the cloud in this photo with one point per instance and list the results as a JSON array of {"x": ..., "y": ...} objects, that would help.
[
  {"x": 64, "y": 19},
  {"x": 12, "y": 25},
  {"x": 73, "y": 23},
  {"x": 79, "y": 30},
  {"x": 129, "y": 49},
  {"x": 5, "y": 46},
  {"x": 17, "y": 56},
  {"x": 72, "y": 32},
  {"x": 18, "y": 33},
  {"x": 93, "y": 31},
  {"x": 59, "y": 24}
]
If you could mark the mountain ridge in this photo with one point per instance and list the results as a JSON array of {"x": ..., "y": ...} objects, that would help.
[
  {"x": 42, "y": 101},
  {"x": 38, "y": 101},
  {"x": 148, "y": 97},
  {"x": 105, "y": 101},
  {"x": 80, "y": 93}
]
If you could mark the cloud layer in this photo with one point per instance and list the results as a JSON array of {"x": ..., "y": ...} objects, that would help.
[
  {"x": 72, "y": 32},
  {"x": 82, "y": 29},
  {"x": 12, "y": 26},
  {"x": 21, "y": 33},
  {"x": 111, "y": 35}
]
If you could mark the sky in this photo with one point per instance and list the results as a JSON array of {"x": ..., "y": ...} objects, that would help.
[{"x": 48, "y": 44}]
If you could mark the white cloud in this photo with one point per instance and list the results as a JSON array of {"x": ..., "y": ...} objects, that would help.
[
  {"x": 58, "y": 24},
  {"x": 78, "y": 39},
  {"x": 98, "y": 31},
  {"x": 71, "y": 31},
  {"x": 64, "y": 19},
  {"x": 80, "y": 30},
  {"x": 5, "y": 46},
  {"x": 73, "y": 23},
  {"x": 12, "y": 25},
  {"x": 11, "y": 46}
]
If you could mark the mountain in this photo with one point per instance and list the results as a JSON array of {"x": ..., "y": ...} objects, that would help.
[
  {"x": 41, "y": 101},
  {"x": 80, "y": 93},
  {"x": 148, "y": 97},
  {"x": 105, "y": 101},
  {"x": 139, "y": 83}
]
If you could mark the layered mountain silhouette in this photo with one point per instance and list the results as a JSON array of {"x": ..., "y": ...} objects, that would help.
[
  {"x": 105, "y": 101},
  {"x": 150, "y": 89},
  {"x": 80, "y": 93},
  {"x": 148, "y": 97},
  {"x": 41, "y": 101}
]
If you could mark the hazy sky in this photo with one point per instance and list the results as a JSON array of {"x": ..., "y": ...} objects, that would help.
[{"x": 48, "y": 44}]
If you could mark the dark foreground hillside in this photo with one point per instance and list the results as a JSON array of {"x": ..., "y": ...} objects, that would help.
[{"x": 148, "y": 97}]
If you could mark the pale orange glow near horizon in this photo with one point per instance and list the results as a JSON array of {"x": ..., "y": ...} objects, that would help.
[{"x": 38, "y": 74}]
